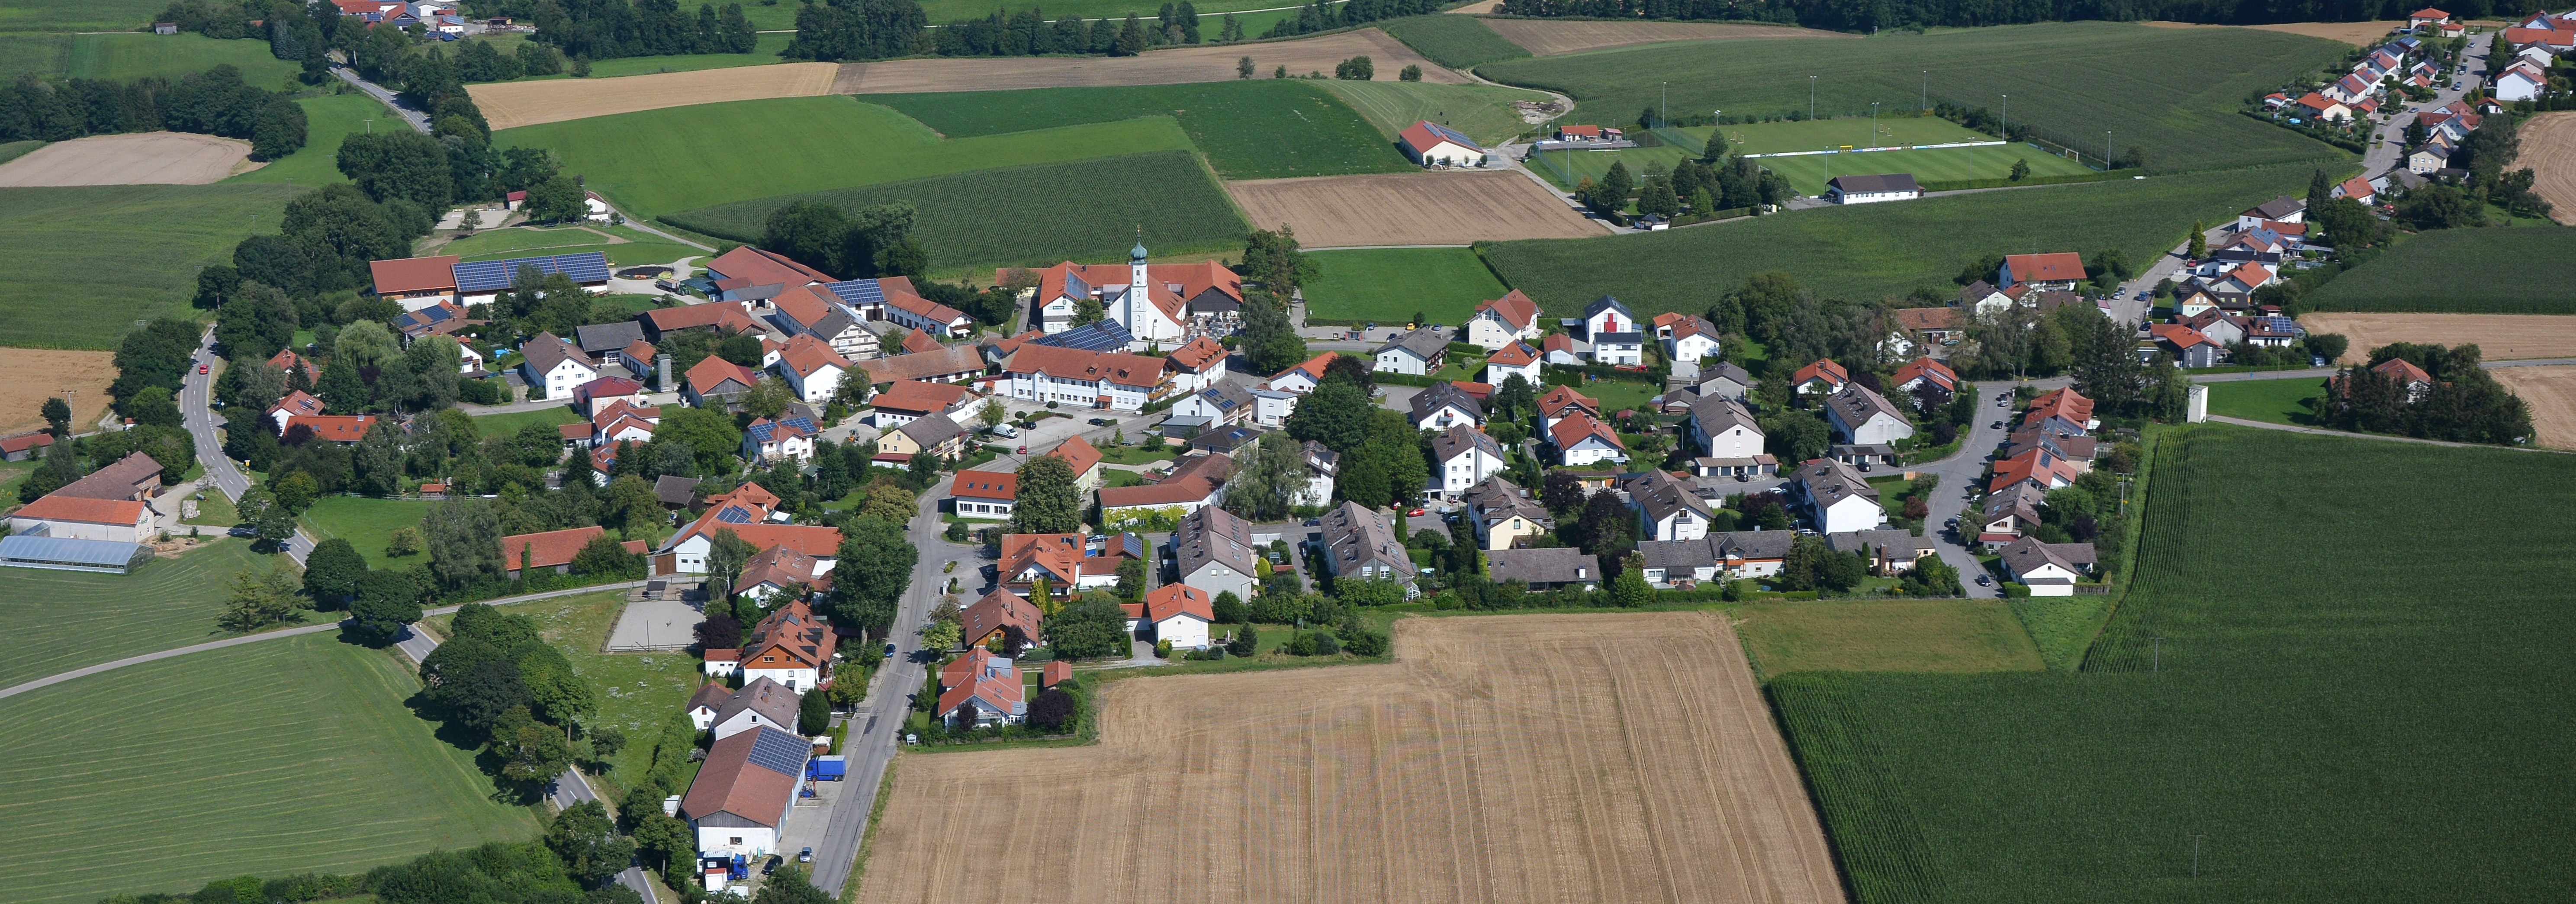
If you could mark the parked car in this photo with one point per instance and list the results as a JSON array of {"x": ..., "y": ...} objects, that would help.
[
  {"x": 1024, "y": 450},
  {"x": 889, "y": 653},
  {"x": 771, "y": 865},
  {"x": 1100, "y": 422},
  {"x": 805, "y": 856},
  {"x": 1005, "y": 431},
  {"x": 1998, "y": 425},
  {"x": 1984, "y": 581}
]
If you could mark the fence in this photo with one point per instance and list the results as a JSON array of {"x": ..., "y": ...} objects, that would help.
[{"x": 1680, "y": 139}]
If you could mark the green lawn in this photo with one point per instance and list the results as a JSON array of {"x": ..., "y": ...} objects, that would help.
[
  {"x": 1169, "y": 194},
  {"x": 1458, "y": 42},
  {"x": 637, "y": 691},
  {"x": 1886, "y": 636},
  {"x": 62, "y": 620},
  {"x": 1259, "y": 129},
  {"x": 30, "y": 53},
  {"x": 1484, "y": 112},
  {"x": 1389, "y": 285},
  {"x": 522, "y": 241},
  {"x": 2326, "y": 720},
  {"x": 660, "y": 161},
  {"x": 214, "y": 509},
  {"x": 1872, "y": 251},
  {"x": 137, "y": 246},
  {"x": 126, "y": 57},
  {"x": 1831, "y": 134},
  {"x": 2173, "y": 92},
  {"x": 367, "y": 524},
  {"x": 1566, "y": 168},
  {"x": 1614, "y": 395},
  {"x": 2462, "y": 271},
  {"x": 1810, "y": 173},
  {"x": 78, "y": 15},
  {"x": 763, "y": 53},
  {"x": 327, "y": 120},
  {"x": 2276, "y": 401},
  {"x": 279, "y": 757},
  {"x": 1211, "y": 14},
  {"x": 508, "y": 424}
]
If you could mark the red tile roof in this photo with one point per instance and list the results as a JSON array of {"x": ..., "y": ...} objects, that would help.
[
  {"x": 986, "y": 485},
  {"x": 917, "y": 397},
  {"x": 1199, "y": 354},
  {"x": 712, "y": 371},
  {"x": 997, "y": 610},
  {"x": 1078, "y": 454},
  {"x": 1574, "y": 428},
  {"x": 1057, "y": 554},
  {"x": 920, "y": 341},
  {"x": 25, "y": 441},
  {"x": 1170, "y": 286},
  {"x": 57, "y": 507},
  {"x": 806, "y": 305},
  {"x": 2061, "y": 266},
  {"x": 1939, "y": 372},
  {"x": 1057, "y": 672},
  {"x": 807, "y": 356},
  {"x": 789, "y": 637},
  {"x": 764, "y": 267},
  {"x": 1076, "y": 364},
  {"x": 1313, "y": 367},
  {"x": 1514, "y": 309},
  {"x": 1173, "y": 600},
  {"x": 547, "y": 549},
  {"x": 2065, "y": 403},
  {"x": 336, "y": 428},
  {"x": 2403, "y": 370},
  {"x": 1193, "y": 480},
  {"x": 1517, "y": 354},
  {"x": 731, "y": 783},
  {"x": 1558, "y": 398},
  {"x": 408, "y": 275},
  {"x": 2180, "y": 337},
  {"x": 2038, "y": 465},
  {"x": 1824, "y": 368}
]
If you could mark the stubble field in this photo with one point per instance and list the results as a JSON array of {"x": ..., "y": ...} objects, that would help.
[
  {"x": 2354, "y": 33},
  {"x": 1161, "y": 67},
  {"x": 142, "y": 158},
  {"x": 1595, "y": 758},
  {"x": 2551, "y": 393},
  {"x": 29, "y": 376},
  {"x": 2499, "y": 337},
  {"x": 1546, "y": 38},
  {"x": 2549, "y": 148},
  {"x": 1410, "y": 209},
  {"x": 513, "y": 104}
]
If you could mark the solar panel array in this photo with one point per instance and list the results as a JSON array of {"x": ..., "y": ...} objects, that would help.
[
  {"x": 735, "y": 514},
  {"x": 779, "y": 751},
  {"x": 1104, "y": 336},
  {"x": 858, "y": 293},
  {"x": 491, "y": 276},
  {"x": 1451, "y": 134},
  {"x": 68, "y": 550}
]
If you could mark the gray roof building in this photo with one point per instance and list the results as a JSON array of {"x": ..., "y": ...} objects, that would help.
[
  {"x": 1543, "y": 568},
  {"x": 1724, "y": 378},
  {"x": 2028, "y": 554},
  {"x": 1445, "y": 394},
  {"x": 1659, "y": 495},
  {"x": 1716, "y": 549},
  {"x": 676, "y": 492},
  {"x": 1360, "y": 543},
  {"x": 1419, "y": 342},
  {"x": 1875, "y": 184},
  {"x": 1894, "y": 545},
  {"x": 608, "y": 338},
  {"x": 1214, "y": 537},
  {"x": 1461, "y": 439}
]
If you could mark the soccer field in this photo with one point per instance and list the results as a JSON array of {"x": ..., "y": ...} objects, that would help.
[
  {"x": 1809, "y": 172},
  {"x": 1829, "y": 134}
]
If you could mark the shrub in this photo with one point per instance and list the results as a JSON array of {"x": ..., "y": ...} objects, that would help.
[{"x": 1053, "y": 710}]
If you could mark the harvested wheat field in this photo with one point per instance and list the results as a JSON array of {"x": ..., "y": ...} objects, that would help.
[
  {"x": 512, "y": 104},
  {"x": 2355, "y": 33},
  {"x": 1546, "y": 38},
  {"x": 1158, "y": 67},
  {"x": 2551, "y": 393},
  {"x": 2499, "y": 337},
  {"x": 2549, "y": 148},
  {"x": 28, "y": 376},
  {"x": 142, "y": 158},
  {"x": 1480, "y": 6},
  {"x": 1431, "y": 208},
  {"x": 1593, "y": 758}
]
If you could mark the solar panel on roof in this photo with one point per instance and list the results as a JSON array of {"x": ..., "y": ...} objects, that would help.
[
  {"x": 67, "y": 550},
  {"x": 1106, "y": 335},
  {"x": 1450, "y": 134},
  {"x": 800, "y": 424},
  {"x": 493, "y": 276},
  {"x": 858, "y": 292},
  {"x": 734, "y": 515},
  {"x": 778, "y": 751}
]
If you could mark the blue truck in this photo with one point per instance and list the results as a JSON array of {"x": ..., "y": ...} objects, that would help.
[{"x": 831, "y": 768}]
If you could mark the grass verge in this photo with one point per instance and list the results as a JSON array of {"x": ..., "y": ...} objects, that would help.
[{"x": 1389, "y": 285}]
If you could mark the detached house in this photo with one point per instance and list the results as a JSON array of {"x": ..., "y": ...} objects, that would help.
[
  {"x": 1503, "y": 514},
  {"x": 789, "y": 438},
  {"x": 936, "y": 434},
  {"x": 2188, "y": 346},
  {"x": 2048, "y": 569},
  {"x": 906, "y": 401},
  {"x": 1213, "y": 551},
  {"x": 1197, "y": 365},
  {"x": 1862, "y": 417},
  {"x": 1668, "y": 508},
  {"x": 1444, "y": 405},
  {"x": 1181, "y": 614},
  {"x": 1464, "y": 456},
  {"x": 715, "y": 382},
  {"x": 1616, "y": 336},
  {"x": 761, "y": 702},
  {"x": 1687, "y": 338},
  {"x": 1837, "y": 497},
  {"x": 554, "y": 366},
  {"x": 1823, "y": 376},
  {"x": 1721, "y": 556},
  {"x": 1359, "y": 543},
  {"x": 1516, "y": 359},
  {"x": 1503, "y": 321},
  {"x": 739, "y": 801},
  {"x": 1582, "y": 439},
  {"x": 996, "y": 617},
  {"x": 747, "y": 511},
  {"x": 985, "y": 495},
  {"x": 812, "y": 368},
  {"x": 1544, "y": 568},
  {"x": 981, "y": 690},
  {"x": 1730, "y": 440},
  {"x": 790, "y": 646},
  {"x": 2057, "y": 270},
  {"x": 1417, "y": 352}
]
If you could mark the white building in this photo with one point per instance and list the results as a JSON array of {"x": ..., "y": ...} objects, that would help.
[
  {"x": 1862, "y": 417},
  {"x": 812, "y": 368},
  {"x": 1181, "y": 615},
  {"x": 1839, "y": 498},
  {"x": 1418, "y": 352},
  {"x": 553, "y": 366},
  {"x": 761, "y": 702},
  {"x": 1872, "y": 189},
  {"x": 742, "y": 794},
  {"x": 1582, "y": 439},
  {"x": 1517, "y": 359},
  {"x": 1432, "y": 144},
  {"x": 1503, "y": 321},
  {"x": 1465, "y": 456},
  {"x": 1085, "y": 379},
  {"x": 1159, "y": 304}
]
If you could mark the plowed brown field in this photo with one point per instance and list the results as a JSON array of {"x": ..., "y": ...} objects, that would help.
[
  {"x": 510, "y": 104},
  {"x": 1545, "y": 37},
  {"x": 143, "y": 158},
  {"x": 1599, "y": 759},
  {"x": 1161, "y": 67},
  {"x": 2551, "y": 393},
  {"x": 1431, "y": 208},
  {"x": 2354, "y": 33},
  {"x": 2549, "y": 148},
  {"x": 28, "y": 376},
  {"x": 2499, "y": 337}
]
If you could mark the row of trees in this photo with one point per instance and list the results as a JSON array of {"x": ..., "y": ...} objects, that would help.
[
  {"x": 499, "y": 872},
  {"x": 834, "y": 30},
  {"x": 604, "y": 29},
  {"x": 2464, "y": 404},
  {"x": 214, "y": 102},
  {"x": 497, "y": 680},
  {"x": 861, "y": 244},
  {"x": 295, "y": 31}
]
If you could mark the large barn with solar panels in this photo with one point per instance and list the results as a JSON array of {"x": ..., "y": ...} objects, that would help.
[
  {"x": 421, "y": 282},
  {"x": 742, "y": 795},
  {"x": 1432, "y": 144}
]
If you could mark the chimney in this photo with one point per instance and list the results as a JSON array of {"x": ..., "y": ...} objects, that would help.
[{"x": 663, "y": 363}]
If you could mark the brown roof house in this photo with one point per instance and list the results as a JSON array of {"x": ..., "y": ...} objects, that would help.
[
  {"x": 790, "y": 646},
  {"x": 761, "y": 702},
  {"x": 553, "y": 549},
  {"x": 1196, "y": 482},
  {"x": 740, "y": 799},
  {"x": 992, "y": 618}
]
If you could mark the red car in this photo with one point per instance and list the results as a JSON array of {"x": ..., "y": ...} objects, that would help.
[
  {"x": 1024, "y": 450},
  {"x": 201, "y": 368},
  {"x": 1416, "y": 513}
]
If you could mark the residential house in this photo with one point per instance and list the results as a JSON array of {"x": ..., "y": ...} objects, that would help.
[
  {"x": 1562, "y": 402},
  {"x": 553, "y": 549},
  {"x": 1544, "y": 568},
  {"x": 1616, "y": 336},
  {"x": 1198, "y": 365},
  {"x": 1872, "y": 189},
  {"x": 1913, "y": 375},
  {"x": 2187, "y": 345},
  {"x": 1432, "y": 144},
  {"x": 1726, "y": 432},
  {"x": 1464, "y": 456},
  {"x": 1322, "y": 466},
  {"x": 1687, "y": 338},
  {"x": 620, "y": 422},
  {"x": 984, "y": 495},
  {"x": 790, "y": 646},
  {"x": 1196, "y": 482},
  {"x": 1079, "y": 456},
  {"x": 2055, "y": 270},
  {"x": 2221, "y": 327},
  {"x": 1890, "y": 552},
  {"x": 2061, "y": 412},
  {"x": 2358, "y": 188},
  {"x": 739, "y": 801},
  {"x": 1212, "y": 550},
  {"x": 1927, "y": 329},
  {"x": 1861, "y": 416},
  {"x": 812, "y": 368},
  {"x": 2194, "y": 297},
  {"x": 702, "y": 706},
  {"x": 1027, "y": 559},
  {"x": 936, "y": 434},
  {"x": 1837, "y": 497},
  {"x": 1719, "y": 556},
  {"x": 747, "y": 511},
  {"x": 1503, "y": 321},
  {"x": 947, "y": 365},
  {"x": 999, "y": 616},
  {"x": 981, "y": 690},
  {"x": 2426, "y": 16},
  {"x": 1724, "y": 380},
  {"x": 1515, "y": 359},
  {"x": 1359, "y": 543},
  {"x": 930, "y": 318},
  {"x": 1417, "y": 352},
  {"x": 782, "y": 573},
  {"x": 2404, "y": 373},
  {"x": 2523, "y": 80},
  {"x": 760, "y": 703},
  {"x": 1561, "y": 350},
  {"x": 1982, "y": 299},
  {"x": 1582, "y": 439},
  {"x": 1224, "y": 440},
  {"x": 714, "y": 382},
  {"x": 1222, "y": 404},
  {"x": 1180, "y": 615},
  {"x": 2048, "y": 569},
  {"x": 819, "y": 312},
  {"x": 416, "y": 282},
  {"x": 2038, "y": 468},
  {"x": 1444, "y": 405},
  {"x": 2008, "y": 512},
  {"x": 1823, "y": 376},
  {"x": 789, "y": 438},
  {"x": 445, "y": 318},
  {"x": 1303, "y": 378},
  {"x": 1502, "y": 514},
  {"x": 1113, "y": 380},
  {"x": 342, "y": 429},
  {"x": 553, "y": 366},
  {"x": 2429, "y": 159},
  {"x": 1668, "y": 507},
  {"x": 596, "y": 396},
  {"x": 905, "y": 401},
  {"x": 739, "y": 274}
]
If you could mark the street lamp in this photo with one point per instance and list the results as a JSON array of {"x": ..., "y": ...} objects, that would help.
[
  {"x": 1873, "y": 123},
  {"x": 2106, "y": 150},
  {"x": 1811, "y": 97},
  {"x": 1927, "y": 90}
]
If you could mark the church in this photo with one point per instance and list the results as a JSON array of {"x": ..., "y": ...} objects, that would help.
[{"x": 1161, "y": 305}]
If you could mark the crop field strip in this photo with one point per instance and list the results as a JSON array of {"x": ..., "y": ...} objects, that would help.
[
  {"x": 508, "y": 105},
  {"x": 1170, "y": 194},
  {"x": 64, "y": 620},
  {"x": 1545, "y": 37},
  {"x": 1420, "y": 208},
  {"x": 1154, "y": 67},
  {"x": 2331, "y": 721},
  {"x": 2549, "y": 149},
  {"x": 1458, "y": 42},
  {"x": 78, "y": 15},
  {"x": 659, "y": 162},
  {"x": 271, "y": 758},
  {"x": 2551, "y": 393},
  {"x": 1602, "y": 758},
  {"x": 136, "y": 247},
  {"x": 1265, "y": 129},
  {"x": 2499, "y": 337},
  {"x": 1872, "y": 251},
  {"x": 2072, "y": 81},
  {"x": 2463, "y": 271}
]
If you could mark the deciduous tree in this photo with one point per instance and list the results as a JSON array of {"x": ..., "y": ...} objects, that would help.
[{"x": 1047, "y": 501}]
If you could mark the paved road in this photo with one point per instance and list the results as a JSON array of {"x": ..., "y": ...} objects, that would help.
[
  {"x": 879, "y": 720},
  {"x": 1959, "y": 475},
  {"x": 196, "y": 394},
  {"x": 2388, "y": 141},
  {"x": 418, "y": 120}
]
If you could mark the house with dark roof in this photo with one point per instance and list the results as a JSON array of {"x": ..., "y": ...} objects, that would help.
[
  {"x": 1837, "y": 497},
  {"x": 1858, "y": 189},
  {"x": 1417, "y": 352},
  {"x": 937, "y": 434},
  {"x": 760, "y": 703},
  {"x": 1617, "y": 338},
  {"x": 739, "y": 801},
  {"x": 1544, "y": 568},
  {"x": 1861, "y": 416},
  {"x": 1212, "y": 550},
  {"x": 599, "y": 340},
  {"x": 1359, "y": 543},
  {"x": 1668, "y": 507},
  {"x": 134, "y": 478},
  {"x": 1222, "y": 404},
  {"x": 1502, "y": 514},
  {"x": 1729, "y": 439},
  {"x": 1723, "y": 380},
  {"x": 553, "y": 366},
  {"x": 1719, "y": 556},
  {"x": 1432, "y": 144},
  {"x": 1462, "y": 457},
  {"x": 1444, "y": 405},
  {"x": 1890, "y": 552},
  {"x": 2048, "y": 569},
  {"x": 789, "y": 438},
  {"x": 1224, "y": 440}
]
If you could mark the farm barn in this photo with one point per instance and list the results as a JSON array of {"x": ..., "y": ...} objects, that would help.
[
  {"x": 1872, "y": 189},
  {"x": 1432, "y": 144}
]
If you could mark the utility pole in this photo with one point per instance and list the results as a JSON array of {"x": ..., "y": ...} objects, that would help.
[
  {"x": 1663, "y": 104},
  {"x": 1811, "y": 97},
  {"x": 1873, "y": 123},
  {"x": 1927, "y": 91},
  {"x": 2007, "y": 115},
  {"x": 2106, "y": 150}
]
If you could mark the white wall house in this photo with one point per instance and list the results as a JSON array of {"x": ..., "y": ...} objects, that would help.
[
  {"x": 1465, "y": 456},
  {"x": 1418, "y": 352},
  {"x": 1861, "y": 416},
  {"x": 1503, "y": 321},
  {"x": 553, "y": 366},
  {"x": 1180, "y": 614},
  {"x": 812, "y": 369}
]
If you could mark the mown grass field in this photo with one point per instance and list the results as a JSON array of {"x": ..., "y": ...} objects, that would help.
[
  {"x": 78, "y": 15},
  {"x": 2463, "y": 271},
  {"x": 1211, "y": 14},
  {"x": 2173, "y": 92},
  {"x": 1484, "y": 112},
  {"x": 44, "y": 55},
  {"x": 1168, "y": 193},
  {"x": 1810, "y": 174},
  {"x": 126, "y": 57},
  {"x": 1830, "y": 134},
  {"x": 1886, "y": 636},
  {"x": 327, "y": 122},
  {"x": 2276, "y": 401},
  {"x": 2328, "y": 721},
  {"x": 660, "y": 161},
  {"x": 638, "y": 692},
  {"x": 277, "y": 757},
  {"x": 136, "y": 249},
  {"x": 509, "y": 424},
  {"x": 56, "y": 621},
  {"x": 522, "y": 241},
  {"x": 1259, "y": 129},
  {"x": 1389, "y": 285},
  {"x": 1877, "y": 250},
  {"x": 1458, "y": 42},
  {"x": 367, "y": 524}
]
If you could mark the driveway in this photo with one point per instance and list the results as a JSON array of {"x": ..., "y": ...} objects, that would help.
[{"x": 1959, "y": 473}]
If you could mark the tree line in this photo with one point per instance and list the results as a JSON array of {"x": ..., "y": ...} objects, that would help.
[
  {"x": 1865, "y": 17},
  {"x": 2464, "y": 404},
  {"x": 606, "y": 29},
  {"x": 214, "y": 102},
  {"x": 834, "y": 30},
  {"x": 293, "y": 29}
]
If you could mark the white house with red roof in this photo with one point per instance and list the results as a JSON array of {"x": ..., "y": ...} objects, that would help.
[
  {"x": 2521, "y": 81},
  {"x": 791, "y": 437},
  {"x": 1823, "y": 376},
  {"x": 1198, "y": 365},
  {"x": 1686, "y": 338},
  {"x": 1503, "y": 321},
  {"x": 748, "y": 512},
  {"x": 812, "y": 368},
  {"x": 1582, "y": 439},
  {"x": 1432, "y": 144},
  {"x": 1515, "y": 360},
  {"x": 980, "y": 689},
  {"x": 986, "y": 495},
  {"x": 1159, "y": 304},
  {"x": 910, "y": 310},
  {"x": 905, "y": 401},
  {"x": 1914, "y": 374},
  {"x": 1180, "y": 614},
  {"x": 2319, "y": 106},
  {"x": 2055, "y": 270},
  {"x": 1078, "y": 454},
  {"x": 1089, "y": 379}
]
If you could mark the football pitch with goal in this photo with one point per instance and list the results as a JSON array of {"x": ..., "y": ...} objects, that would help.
[{"x": 1809, "y": 172}]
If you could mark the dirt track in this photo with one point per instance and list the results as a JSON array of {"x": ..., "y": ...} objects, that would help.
[
  {"x": 2551, "y": 393},
  {"x": 2499, "y": 337},
  {"x": 143, "y": 158},
  {"x": 1428, "y": 208},
  {"x": 1595, "y": 758},
  {"x": 511, "y": 104},
  {"x": 1547, "y": 38},
  {"x": 28, "y": 376},
  {"x": 2354, "y": 33},
  {"x": 2549, "y": 148},
  {"x": 1162, "y": 67}
]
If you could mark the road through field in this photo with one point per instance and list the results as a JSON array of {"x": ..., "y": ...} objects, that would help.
[{"x": 1596, "y": 758}]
